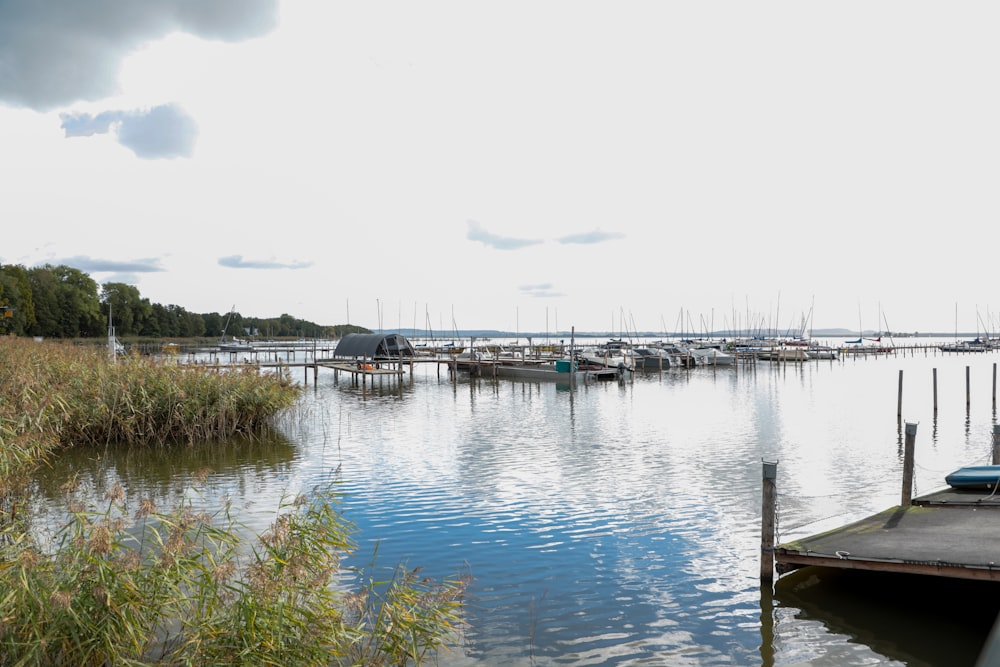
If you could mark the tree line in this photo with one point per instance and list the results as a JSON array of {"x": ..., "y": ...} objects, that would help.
[{"x": 64, "y": 302}]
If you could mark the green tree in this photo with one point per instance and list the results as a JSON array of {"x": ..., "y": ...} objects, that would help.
[
  {"x": 127, "y": 308},
  {"x": 80, "y": 307},
  {"x": 45, "y": 293},
  {"x": 16, "y": 298},
  {"x": 213, "y": 324}
]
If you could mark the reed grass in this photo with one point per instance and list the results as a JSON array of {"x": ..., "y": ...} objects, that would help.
[
  {"x": 178, "y": 588},
  {"x": 181, "y": 587},
  {"x": 63, "y": 395}
]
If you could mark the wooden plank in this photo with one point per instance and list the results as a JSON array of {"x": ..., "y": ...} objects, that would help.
[{"x": 945, "y": 540}]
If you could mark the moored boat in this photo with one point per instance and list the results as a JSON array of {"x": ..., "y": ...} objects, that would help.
[
  {"x": 974, "y": 477},
  {"x": 783, "y": 354},
  {"x": 976, "y": 345}
]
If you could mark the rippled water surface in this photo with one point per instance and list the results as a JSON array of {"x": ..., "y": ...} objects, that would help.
[{"x": 619, "y": 522}]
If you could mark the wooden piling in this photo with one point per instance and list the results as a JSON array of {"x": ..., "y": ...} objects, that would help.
[
  {"x": 899, "y": 399},
  {"x": 768, "y": 506},
  {"x": 996, "y": 444},
  {"x": 968, "y": 389},
  {"x": 908, "y": 446},
  {"x": 935, "y": 391}
]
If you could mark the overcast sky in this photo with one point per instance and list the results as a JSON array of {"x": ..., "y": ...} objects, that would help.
[{"x": 517, "y": 165}]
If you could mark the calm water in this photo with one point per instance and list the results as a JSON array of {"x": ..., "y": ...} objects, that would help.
[{"x": 619, "y": 523}]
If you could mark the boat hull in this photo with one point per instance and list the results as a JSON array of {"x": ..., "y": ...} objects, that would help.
[{"x": 974, "y": 477}]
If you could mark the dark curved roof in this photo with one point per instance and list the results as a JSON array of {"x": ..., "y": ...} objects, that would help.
[{"x": 374, "y": 346}]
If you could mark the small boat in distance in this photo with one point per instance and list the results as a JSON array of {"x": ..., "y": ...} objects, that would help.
[
  {"x": 975, "y": 345},
  {"x": 233, "y": 344}
]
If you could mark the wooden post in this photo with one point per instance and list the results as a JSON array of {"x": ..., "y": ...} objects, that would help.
[
  {"x": 768, "y": 507},
  {"x": 968, "y": 398},
  {"x": 572, "y": 356},
  {"x": 899, "y": 400},
  {"x": 996, "y": 444},
  {"x": 994, "y": 384},
  {"x": 935, "y": 391},
  {"x": 911, "y": 436}
]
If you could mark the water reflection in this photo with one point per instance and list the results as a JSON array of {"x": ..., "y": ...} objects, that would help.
[
  {"x": 248, "y": 473},
  {"x": 911, "y": 620}
]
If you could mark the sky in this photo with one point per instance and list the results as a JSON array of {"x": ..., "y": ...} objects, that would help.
[{"x": 521, "y": 166}]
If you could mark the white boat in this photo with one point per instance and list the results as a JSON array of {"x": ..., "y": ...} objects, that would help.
[
  {"x": 783, "y": 354},
  {"x": 976, "y": 345},
  {"x": 606, "y": 356},
  {"x": 679, "y": 356},
  {"x": 233, "y": 344},
  {"x": 712, "y": 356}
]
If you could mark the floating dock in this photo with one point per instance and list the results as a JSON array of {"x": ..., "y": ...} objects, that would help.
[
  {"x": 953, "y": 532},
  {"x": 950, "y": 533}
]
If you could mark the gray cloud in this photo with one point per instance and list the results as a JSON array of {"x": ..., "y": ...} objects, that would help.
[
  {"x": 539, "y": 291},
  {"x": 477, "y": 233},
  {"x": 237, "y": 262},
  {"x": 165, "y": 131},
  {"x": 596, "y": 236},
  {"x": 94, "y": 265},
  {"x": 58, "y": 52}
]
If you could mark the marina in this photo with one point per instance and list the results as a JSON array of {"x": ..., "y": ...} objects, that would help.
[{"x": 620, "y": 522}]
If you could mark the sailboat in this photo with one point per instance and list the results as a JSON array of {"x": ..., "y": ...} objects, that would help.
[{"x": 233, "y": 344}]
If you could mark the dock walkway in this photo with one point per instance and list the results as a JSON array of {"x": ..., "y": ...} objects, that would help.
[{"x": 949, "y": 533}]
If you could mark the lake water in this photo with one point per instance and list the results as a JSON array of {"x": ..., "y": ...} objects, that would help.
[{"x": 619, "y": 522}]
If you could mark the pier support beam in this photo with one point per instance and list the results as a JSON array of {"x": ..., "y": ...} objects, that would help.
[
  {"x": 899, "y": 398},
  {"x": 769, "y": 496},
  {"x": 996, "y": 444},
  {"x": 908, "y": 446}
]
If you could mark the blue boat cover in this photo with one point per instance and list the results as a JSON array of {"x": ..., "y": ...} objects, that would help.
[{"x": 974, "y": 477}]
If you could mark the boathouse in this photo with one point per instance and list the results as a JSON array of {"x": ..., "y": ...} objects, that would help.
[{"x": 374, "y": 347}]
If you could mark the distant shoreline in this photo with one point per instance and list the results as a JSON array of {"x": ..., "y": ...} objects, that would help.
[{"x": 818, "y": 333}]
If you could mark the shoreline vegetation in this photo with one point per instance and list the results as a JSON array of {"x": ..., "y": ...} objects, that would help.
[{"x": 178, "y": 586}]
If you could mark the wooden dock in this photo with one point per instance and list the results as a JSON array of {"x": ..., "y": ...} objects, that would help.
[{"x": 948, "y": 533}]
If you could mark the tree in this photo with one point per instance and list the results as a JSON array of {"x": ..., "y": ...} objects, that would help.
[
  {"x": 126, "y": 307},
  {"x": 16, "y": 299},
  {"x": 213, "y": 324},
  {"x": 80, "y": 314},
  {"x": 45, "y": 292}
]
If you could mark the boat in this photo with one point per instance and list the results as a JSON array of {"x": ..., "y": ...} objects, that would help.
[
  {"x": 233, "y": 344},
  {"x": 613, "y": 354},
  {"x": 863, "y": 346},
  {"x": 974, "y": 477},
  {"x": 975, "y": 345},
  {"x": 678, "y": 355},
  {"x": 783, "y": 354},
  {"x": 652, "y": 358},
  {"x": 556, "y": 372},
  {"x": 712, "y": 356}
]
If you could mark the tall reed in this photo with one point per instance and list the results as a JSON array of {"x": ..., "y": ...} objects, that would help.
[{"x": 180, "y": 587}]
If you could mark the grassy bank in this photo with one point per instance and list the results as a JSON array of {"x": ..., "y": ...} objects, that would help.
[
  {"x": 56, "y": 395},
  {"x": 175, "y": 586}
]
